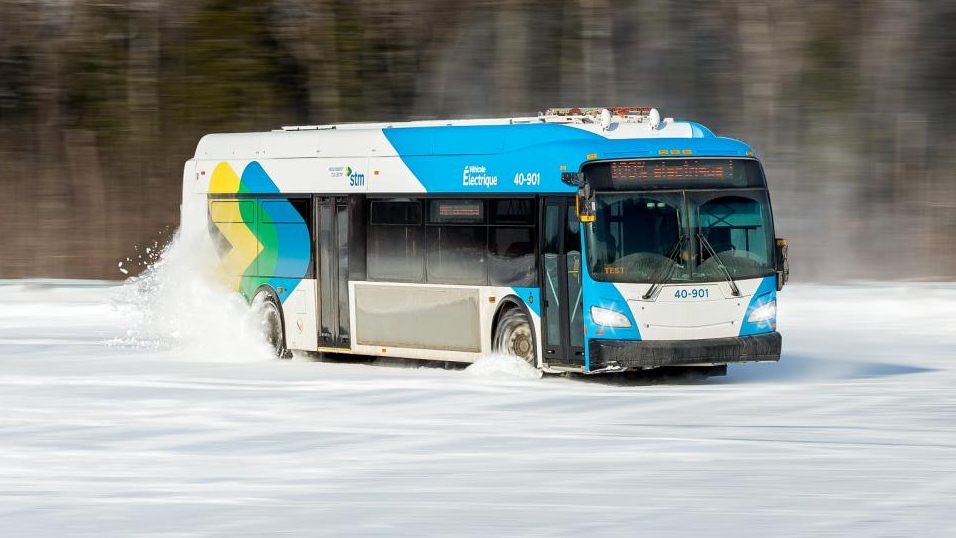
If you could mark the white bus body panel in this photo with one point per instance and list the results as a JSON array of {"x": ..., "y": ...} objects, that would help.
[
  {"x": 324, "y": 175},
  {"x": 426, "y": 321},
  {"x": 300, "y": 316},
  {"x": 675, "y": 314}
]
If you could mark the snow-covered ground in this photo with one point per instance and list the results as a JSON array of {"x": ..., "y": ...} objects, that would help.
[{"x": 148, "y": 410}]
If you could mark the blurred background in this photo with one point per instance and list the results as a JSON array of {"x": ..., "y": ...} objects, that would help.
[{"x": 850, "y": 104}]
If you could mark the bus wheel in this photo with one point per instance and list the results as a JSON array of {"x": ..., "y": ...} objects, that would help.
[
  {"x": 514, "y": 336},
  {"x": 270, "y": 319}
]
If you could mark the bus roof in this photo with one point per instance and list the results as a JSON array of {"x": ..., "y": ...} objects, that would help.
[
  {"x": 645, "y": 131},
  {"x": 497, "y": 155}
]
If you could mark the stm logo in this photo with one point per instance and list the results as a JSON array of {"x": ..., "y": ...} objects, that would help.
[{"x": 356, "y": 179}]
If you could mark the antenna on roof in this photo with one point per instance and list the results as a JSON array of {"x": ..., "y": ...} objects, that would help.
[
  {"x": 605, "y": 119},
  {"x": 655, "y": 118}
]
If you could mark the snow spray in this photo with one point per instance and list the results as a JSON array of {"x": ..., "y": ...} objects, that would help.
[{"x": 177, "y": 305}]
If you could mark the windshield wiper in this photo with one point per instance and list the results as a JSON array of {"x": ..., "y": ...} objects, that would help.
[
  {"x": 666, "y": 274},
  {"x": 720, "y": 264}
]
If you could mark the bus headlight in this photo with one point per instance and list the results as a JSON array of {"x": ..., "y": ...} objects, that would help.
[
  {"x": 609, "y": 318},
  {"x": 764, "y": 312}
]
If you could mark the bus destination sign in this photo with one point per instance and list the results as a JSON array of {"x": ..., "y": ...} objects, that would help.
[{"x": 673, "y": 170}]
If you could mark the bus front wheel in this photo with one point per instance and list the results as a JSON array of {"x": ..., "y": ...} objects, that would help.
[
  {"x": 269, "y": 313},
  {"x": 515, "y": 337}
]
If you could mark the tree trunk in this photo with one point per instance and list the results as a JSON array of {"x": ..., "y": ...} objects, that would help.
[{"x": 511, "y": 58}]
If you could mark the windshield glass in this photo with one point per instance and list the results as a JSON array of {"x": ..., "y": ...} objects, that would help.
[{"x": 685, "y": 236}]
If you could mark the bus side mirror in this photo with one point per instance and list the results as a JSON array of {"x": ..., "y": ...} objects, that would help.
[
  {"x": 783, "y": 265},
  {"x": 584, "y": 203}
]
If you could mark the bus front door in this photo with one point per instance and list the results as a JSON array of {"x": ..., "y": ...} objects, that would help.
[
  {"x": 562, "y": 316},
  {"x": 333, "y": 271}
]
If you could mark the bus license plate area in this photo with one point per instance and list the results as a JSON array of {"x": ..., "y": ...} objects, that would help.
[{"x": 690, "y": 293}]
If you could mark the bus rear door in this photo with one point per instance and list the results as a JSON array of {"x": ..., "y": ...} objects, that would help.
[{"x": 333, "y": 271}]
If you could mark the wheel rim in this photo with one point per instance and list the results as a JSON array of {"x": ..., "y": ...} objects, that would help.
[{"x": 516, "y": 338}]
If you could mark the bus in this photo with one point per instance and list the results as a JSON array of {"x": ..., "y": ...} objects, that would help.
[{"x": 583, "y": 240}]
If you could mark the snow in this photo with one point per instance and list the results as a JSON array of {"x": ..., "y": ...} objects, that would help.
[
  {"x": 151, "y": 409},
  {"x": 502, "y": 366}
]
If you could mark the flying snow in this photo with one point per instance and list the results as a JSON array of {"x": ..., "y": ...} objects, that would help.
[{"x": 176, "y": 304}]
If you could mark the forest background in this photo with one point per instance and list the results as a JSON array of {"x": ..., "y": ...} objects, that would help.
[{"x": 850, "y": 104}]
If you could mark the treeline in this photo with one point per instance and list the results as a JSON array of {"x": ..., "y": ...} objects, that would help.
[{"x": 852, "y": 105}]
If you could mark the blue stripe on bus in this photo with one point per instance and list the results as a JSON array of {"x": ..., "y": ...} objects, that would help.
[
  {"x": 605, "y": 295},
  {"x": 256, "y": 180},
  {"x": 602, "y": 295},
  {"x": 766, "y": 292},
  {"x": 531, "y": 298},
  {"x": 524, "y": 158},
  {"x": 293, "y": 243}
]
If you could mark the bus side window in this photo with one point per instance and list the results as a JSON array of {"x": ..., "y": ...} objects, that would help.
[
  {"x": 456, "y": 254},
  {"x": 455, "y": 242},
  {"x": 396, "y": 241},
  {"x": 511, "y": 253}
]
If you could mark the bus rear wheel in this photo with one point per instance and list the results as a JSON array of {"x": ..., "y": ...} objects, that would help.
[
  {"x": 269, "y": 312},
  {"x": 514, "y": 336}
]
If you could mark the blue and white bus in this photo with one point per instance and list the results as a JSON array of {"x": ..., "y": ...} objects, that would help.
[{"x": 579, "y": 240}]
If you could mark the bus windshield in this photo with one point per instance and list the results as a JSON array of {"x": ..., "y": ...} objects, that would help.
[{"x": 680, "y": 236}]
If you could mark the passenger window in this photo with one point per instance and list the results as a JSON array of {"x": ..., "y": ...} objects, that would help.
[
  {"x": 511, "y": 256},
  {"x": 395, "y": 249},
  {"x": 456, "y": 254}
]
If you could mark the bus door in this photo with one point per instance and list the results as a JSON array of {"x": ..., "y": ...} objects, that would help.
[
  {"x": 333, "y": 271},
  {"x": 562, "y": 315}
]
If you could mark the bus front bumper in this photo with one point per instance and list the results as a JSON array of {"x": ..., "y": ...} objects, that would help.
[{"x": 617, "y": 355}]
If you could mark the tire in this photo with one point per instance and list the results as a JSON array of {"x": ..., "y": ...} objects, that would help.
[
  {"x": 269, "y": 312},
  {"x": 515, "y": 337}
]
